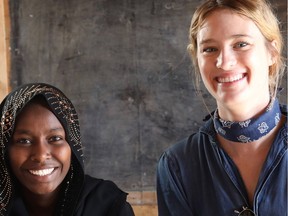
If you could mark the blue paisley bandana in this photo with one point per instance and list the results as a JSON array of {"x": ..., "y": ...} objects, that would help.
[{"x": 251, "y": 129}]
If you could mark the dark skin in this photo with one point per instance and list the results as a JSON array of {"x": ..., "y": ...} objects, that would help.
[{"x": 40, "y": 158}]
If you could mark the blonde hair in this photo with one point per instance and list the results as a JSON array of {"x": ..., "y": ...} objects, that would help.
[{"x": 261, "y": 13}]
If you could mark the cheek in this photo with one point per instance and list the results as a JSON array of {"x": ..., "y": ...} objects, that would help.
[
  {"x": 200, "y": 62},
  {"x": 205, "y": 64},
  {"x": 64, "y": 155},
  {"x": 16, "y": 158},
  {"x": 257, "y": 58},
  {"x": 204, "y": 69},
  {"x": 259, "y": 66}
]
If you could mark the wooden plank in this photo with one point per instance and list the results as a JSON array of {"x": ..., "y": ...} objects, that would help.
[
  {"x": 4, "y": 48},
  {"x": 144, "y": 210},
  {"x": 142, "y": 197},
  {"x": 143, "y": 202}
]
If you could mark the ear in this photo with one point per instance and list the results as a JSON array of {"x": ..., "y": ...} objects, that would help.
[{"x": 272, "y": 52}]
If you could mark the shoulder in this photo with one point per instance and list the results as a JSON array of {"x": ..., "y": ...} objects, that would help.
[
  {"x": 189, "y": 150},
  {"x": 193, "y": 143},
  {"x": 100, "y": 197},
  {"x": 100, "y": 188}
]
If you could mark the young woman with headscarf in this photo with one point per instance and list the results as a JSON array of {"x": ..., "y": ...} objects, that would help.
[{"x": 41, "y": 164}]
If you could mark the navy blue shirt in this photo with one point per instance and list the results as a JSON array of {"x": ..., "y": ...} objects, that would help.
[{"x": 195, "y": 177}]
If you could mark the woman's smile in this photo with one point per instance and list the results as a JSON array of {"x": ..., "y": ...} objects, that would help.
[
  {"x": 230, "y": 79},
  {"x": 42, "y": 172},
  {"x": 43, "y": 154},
  {"x": 233, "y": 60}
]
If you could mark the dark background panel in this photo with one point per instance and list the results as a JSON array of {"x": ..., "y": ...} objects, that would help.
[{"x": 125, "y": 66}]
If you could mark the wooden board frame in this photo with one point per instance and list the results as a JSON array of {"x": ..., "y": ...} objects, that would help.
[{"x": 4, "y": 48}]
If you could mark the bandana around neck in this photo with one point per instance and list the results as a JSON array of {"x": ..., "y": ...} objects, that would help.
[{"x": 251, "y": 129}]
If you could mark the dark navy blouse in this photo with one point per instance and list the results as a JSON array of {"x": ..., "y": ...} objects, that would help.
[{"x": 195, "y": 177}]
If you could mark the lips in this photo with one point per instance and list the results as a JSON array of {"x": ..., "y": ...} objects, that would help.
[
  {"x": 42, "y": 172},
  {"x": 230, "y": 79}
]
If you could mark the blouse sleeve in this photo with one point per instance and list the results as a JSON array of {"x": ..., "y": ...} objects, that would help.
[{"x": 170, "y": 192}]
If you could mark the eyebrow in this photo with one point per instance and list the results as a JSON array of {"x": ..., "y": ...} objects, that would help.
[{"x": 233, "y": 37}]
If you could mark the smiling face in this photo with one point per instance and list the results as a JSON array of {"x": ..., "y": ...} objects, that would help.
[
  {"x": 233, "y": 61},
  {"x": 39, "y": 155}
]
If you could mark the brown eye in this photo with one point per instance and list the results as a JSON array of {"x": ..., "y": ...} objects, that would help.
[
  {"x": 55, "y": 139},
  {"x": 22, "y": 141}
]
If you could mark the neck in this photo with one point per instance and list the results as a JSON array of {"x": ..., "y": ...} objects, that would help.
[
  {"x": 240, "y": 112},
  {"x": 38, "y": 204},
  {"x": 252, "y": 129},
  {"x": 238, "y": 150}
]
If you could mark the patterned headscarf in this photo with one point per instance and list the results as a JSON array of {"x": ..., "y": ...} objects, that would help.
[{"x": 64, "y": 110}]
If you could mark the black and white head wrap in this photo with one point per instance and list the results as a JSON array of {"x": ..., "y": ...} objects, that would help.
[{"x": 64, "y": 110}]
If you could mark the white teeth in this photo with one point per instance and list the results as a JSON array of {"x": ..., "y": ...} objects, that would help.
[
  {"x": 230, "y": 79},
  {"x": 42, "y": 172}
]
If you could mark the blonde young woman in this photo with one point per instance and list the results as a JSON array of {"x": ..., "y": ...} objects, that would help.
[{"x": 236, "y": 164}]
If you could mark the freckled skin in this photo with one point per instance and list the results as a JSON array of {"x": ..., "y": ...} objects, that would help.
[{"x": 38, "y": 142}]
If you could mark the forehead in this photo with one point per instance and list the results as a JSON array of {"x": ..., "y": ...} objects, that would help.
[
  {"x": 34, "y": 107},
  {"x": 36, "y": 112},
  {"x": 224, "y": 23}
]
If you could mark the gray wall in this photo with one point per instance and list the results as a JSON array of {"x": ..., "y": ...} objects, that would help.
[{"x": 124, "y": 65}]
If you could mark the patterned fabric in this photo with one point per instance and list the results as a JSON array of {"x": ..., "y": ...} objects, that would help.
[
  {"x": 251, "y": 129},
  {"x": 64, "y": 110},
  {"x": 198, "y": 166}
]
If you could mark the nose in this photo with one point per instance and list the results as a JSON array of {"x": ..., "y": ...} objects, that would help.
[
  {"x": 226, "y": 60},
  {"x": 40, "y": 152}
]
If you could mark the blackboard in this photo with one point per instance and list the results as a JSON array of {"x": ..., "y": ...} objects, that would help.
[{"x": 125, "y": 66}]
